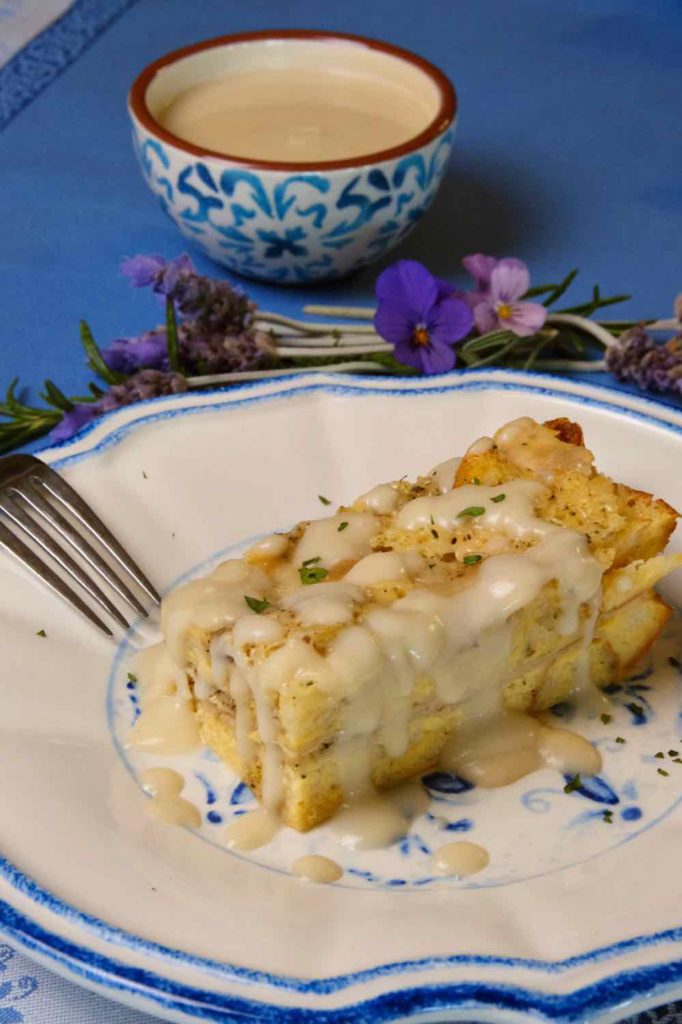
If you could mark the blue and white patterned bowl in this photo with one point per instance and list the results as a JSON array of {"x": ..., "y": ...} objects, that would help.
[{"x": 289, "y": 222}]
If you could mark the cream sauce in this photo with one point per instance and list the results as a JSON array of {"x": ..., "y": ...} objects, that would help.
[
  {"x": 299, "y": 114},
  {"x": 166, "y": 726},
  {"x": 496, "y": 751},
  {"x": 535, "y": 448},
  {"x": 444, "y": 474},
  {"x": 314, "y": 868},
  {"x": 460, "y": 859},
  {"x": 382, "y": 500},
  {"x": 251, "y": 830},
  {"x": 164, "y": 786}
]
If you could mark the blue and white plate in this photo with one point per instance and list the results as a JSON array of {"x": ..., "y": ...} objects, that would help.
[{"x": 575, "y": 918}]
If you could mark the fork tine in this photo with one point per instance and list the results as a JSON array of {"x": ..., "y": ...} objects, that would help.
[
  {"x": 59, "y": 489},
  {"x": 49, "y": 545},
  {"x": 34, "y": 497},
  {"x": 16, "y": 547}
]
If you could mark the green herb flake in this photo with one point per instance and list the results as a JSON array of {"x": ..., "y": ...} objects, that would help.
[
  {"x": 498, "y": 497},
  {"x": 673, "y": 753},
  {"x": 619, "y": 739},
  {"x": 433, "y": 521},
  {"x": 606, "y": 718},
  {"x": 659, "y": 754},
  {"x": 342, "y": 526},
  {"x": 434, "y": 534},
  {"x": 312, "y": 573},
  {"x": 677, "y": 760},
  {"x": 471, "y": 559},
  {"x": 476, "y": 481},
  {"x": 662, "y": 771},
  {"x": 607, "y": 816},
  {"x": 41, "y": 632},
  {"x": 473, "y": 510},
  {"x": 636, "y": 709},
  {"x": 312, "y": 561},
  {"x": 675, "y": 662},
  {"x": 145, "y": 475},
  {"x": 572, "y": 784},
  {"x": 132, "y": 678},
  {"x": 256, "y": 604},
  {"x": 325, "y": 501}
]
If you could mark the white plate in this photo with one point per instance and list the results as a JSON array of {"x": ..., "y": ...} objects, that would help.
[{"x": 574, "y": 919}]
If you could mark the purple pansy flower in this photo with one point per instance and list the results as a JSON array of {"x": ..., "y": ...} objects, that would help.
[
  {"x": 418, "y": 316},
  {"x": 498, "y": 306}
]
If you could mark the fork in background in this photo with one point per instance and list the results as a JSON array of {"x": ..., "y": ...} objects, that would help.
[{"x": 33, "y": 501}]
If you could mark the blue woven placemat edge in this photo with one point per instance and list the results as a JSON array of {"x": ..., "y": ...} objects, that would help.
[{"x": 52, "y": 51}]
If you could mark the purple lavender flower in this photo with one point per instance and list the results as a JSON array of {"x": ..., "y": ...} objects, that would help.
[
  {"x": 498, "y": 306},
  {"x": 417, "y": 317},
  {"x": 125, "y": 355},
  {"x": 140, "y": 386},
  {"x": 636, "y": 358},
  {"x": 71, "y": 422}
]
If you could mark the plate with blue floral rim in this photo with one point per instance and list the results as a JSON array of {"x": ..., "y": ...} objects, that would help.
[{"x": 575, "y": 918}]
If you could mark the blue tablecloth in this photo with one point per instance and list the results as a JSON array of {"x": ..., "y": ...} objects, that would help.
[{"x": 568, "y": 153}]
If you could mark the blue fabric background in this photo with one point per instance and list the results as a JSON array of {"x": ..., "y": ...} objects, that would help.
[{"x": 568, "y": 153}]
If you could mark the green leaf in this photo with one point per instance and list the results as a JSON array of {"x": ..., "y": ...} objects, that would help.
[
  {"x": 498, "y": 497},
  {"x": 312, "y": 574},
  {"x": 55, "y": 397},
  {"x": 325, "y": 501},
  {"x": 342, "y": 526},
  {"x": 95, "y": 360},
  {"x": 172, "y": 337},
  {"x": 257, "y": 604},
  {"x": 561, "y": 288},
  {"x": 473, "y": 510},
  {"x": 312, "y": 561},
  {"x": 471, "y": 559}
]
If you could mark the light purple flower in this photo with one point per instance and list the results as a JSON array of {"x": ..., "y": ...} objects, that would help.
[
  {"x": 125, "y": 355},
  {"x": 636, "y": 358},
  {"x": 163, "y": 275},
  {"x": 415, "y": 315},
  {"x": 499, "y": 307},
  {"x": 71, "y": 422}
]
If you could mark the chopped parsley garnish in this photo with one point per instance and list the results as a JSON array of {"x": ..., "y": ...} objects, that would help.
[
  {"x": 473, "y": 510},
  {"x": 673, "y": 753},
  {"x": 41, "y": 632},
  {"x": 498, "y": 497},
  {"x": 659, "y": 754},
  {"x": 433, "y": 521},
  {"x": 312, "y": 561},
  {"x": 312, "y": 573},
  {"x": 572, "y": 784},
  {"x": 342, "y": 526},
  {"x": 145, "y": 475},
  {"x": 675, "y": 662},
  {"x": 606, "y": 718},
  {"x": 472, "y": 559},
  {"x": 132, "y": 678},
  {"x": 325, "y": 501},
  {"x": 619, "y": 739},
  {"x": 434, "y": 533},
  {"x": 476, "y": 481},
  {"x": 608, "y": 817},
  {"x": 677, "y": 760},
  {"x": 662, "y": 771},
  {"x": 636, "y": 709},
  {"x": 257, "y": 604}
]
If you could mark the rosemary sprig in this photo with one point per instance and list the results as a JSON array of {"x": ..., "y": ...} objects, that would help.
[
  {"x": 26, "y": 422},
  {"x": 95, "y": 360}
]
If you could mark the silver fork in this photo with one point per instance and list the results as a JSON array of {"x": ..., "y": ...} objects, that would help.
[{"x": 33, "y": 499}]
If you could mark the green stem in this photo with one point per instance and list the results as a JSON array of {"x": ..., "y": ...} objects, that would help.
[
  {"x": 561, "y": 288},
  {"x": 172, "y": 337}
]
